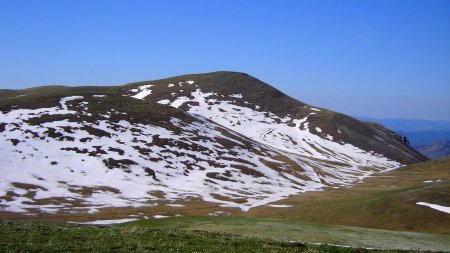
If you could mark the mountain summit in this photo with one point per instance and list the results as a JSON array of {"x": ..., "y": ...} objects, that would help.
[
  {"x": 209, "y": 94},
  {"x": 222, "y": 137}
]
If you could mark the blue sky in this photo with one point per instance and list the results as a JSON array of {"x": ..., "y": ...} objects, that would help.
[{"x": 383, "y": 58}]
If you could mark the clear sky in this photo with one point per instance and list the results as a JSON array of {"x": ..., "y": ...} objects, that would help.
[{"x": 381, "y": 58}]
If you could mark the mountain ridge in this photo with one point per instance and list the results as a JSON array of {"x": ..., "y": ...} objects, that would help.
[{"x": 256, "y": 91}]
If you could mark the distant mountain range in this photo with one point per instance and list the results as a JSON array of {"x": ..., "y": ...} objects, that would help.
[
  {"x": 410, "y": 125},
  {"x": 421, "y": 138},
  {"x": 427, "y": 136},
  {"x": 437, "y": 150}
]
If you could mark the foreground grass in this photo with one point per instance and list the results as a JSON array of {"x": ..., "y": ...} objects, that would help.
[
  {"x": 51, "y": 237},
  {"x": 213, "y": 234},
  {"x": 306, "y": 232}
]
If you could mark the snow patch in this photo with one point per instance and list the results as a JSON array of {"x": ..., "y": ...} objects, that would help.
[
  {"x": 220, "y": 213},
  {"x": 281, "y": 206},
  {"x": 164, "y": 101},
  {"x": 160, "y": 216},
  {"x": 431, "y": 181},
  {"x": 175, "y": 205},
  {"x": 445, "y": 209},
  {"x": 104, "y": 222},
  {"x": 143, "y": 91},
  {"x": 235, "y": 96}
]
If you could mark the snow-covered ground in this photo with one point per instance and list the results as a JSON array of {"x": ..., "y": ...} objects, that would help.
[
  {"x": 236, "y": 156},
  {"x": 287, "y": 134},
  {"x": 39, "y": 169}
]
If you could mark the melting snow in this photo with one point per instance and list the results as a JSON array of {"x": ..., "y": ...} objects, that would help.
[
  {"x": 144, "y": 91},
  {"x": 431, "y": 181},
  {"x": 67, "y": 99},
  {"x": 57, "y": 168},
  {"x": 445, "y": 209},
  {"x": 235, "y": 95},
  {"x": 281, "y": 206},
  {"x": 104, "y": 222},
  {"x": 160, "y": 216},
  {"x": 175, "y": 205},
  {"x": 218, "y": 213},
  {"x": 164, "y": 101},
  {"x": 268, "y": 128}
]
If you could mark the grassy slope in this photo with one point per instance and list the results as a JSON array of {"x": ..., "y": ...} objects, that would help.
[
  {"x": 34, "y": 237},
  {"x": 47, "y": 237},
  {"x": 305, "y": 232},
  {"x": 47, "y": 96},
  {"x": 199, "y": 234},
  {"x": 386, "y": 200}
]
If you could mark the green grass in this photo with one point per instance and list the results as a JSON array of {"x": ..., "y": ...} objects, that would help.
[
  {"x": 168, "y": 235},
  {"x": 386, "y": 201},
  {"x": 306, "y": 232}
]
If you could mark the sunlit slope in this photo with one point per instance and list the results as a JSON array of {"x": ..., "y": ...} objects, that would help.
[
  {"x": 386, "y": 200},
  {"x": 261, "y": 112}
]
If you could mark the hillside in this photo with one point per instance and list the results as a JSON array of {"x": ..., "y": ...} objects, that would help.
[
  {"x": 221, "y": 139},
  {"x": 384, "y": 200},
  {"x": 234, "y": 99}
]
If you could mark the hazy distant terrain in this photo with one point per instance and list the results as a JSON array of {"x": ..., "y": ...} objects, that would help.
[
  {"x": 427, "y": 136},
  {"x": 410, "y": 125},
  {"x": 437, "y": 150}
]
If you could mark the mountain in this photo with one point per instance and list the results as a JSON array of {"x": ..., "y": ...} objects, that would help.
[
  {"x": 224, "y": 138},
  {"x": 436, "y": 151}
]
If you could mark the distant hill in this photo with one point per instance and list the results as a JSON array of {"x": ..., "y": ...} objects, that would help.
[
  {"x": 410, "y": 125},
  {"x": 419, "y": 132},
  {"x": 437, "y": 150},
  {"x": 421, "y": 138}
]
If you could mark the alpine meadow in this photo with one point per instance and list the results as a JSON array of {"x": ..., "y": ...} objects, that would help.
[{"x": 241, "y": 140}]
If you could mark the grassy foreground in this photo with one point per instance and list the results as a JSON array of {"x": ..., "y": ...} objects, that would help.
[
  {"x": 48, "y": 237},
  {"x": 208, "y": 234}
]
